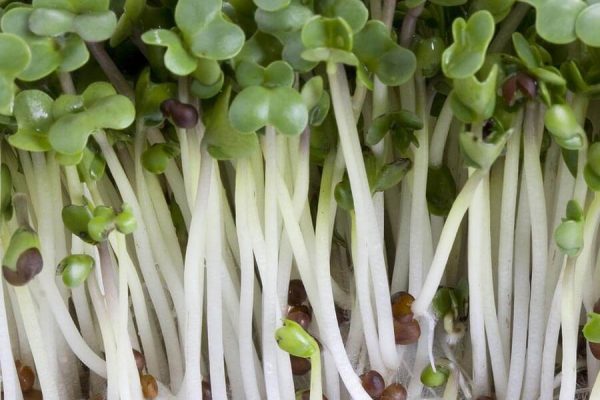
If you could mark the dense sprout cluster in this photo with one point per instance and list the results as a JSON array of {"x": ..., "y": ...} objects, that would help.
[{"x": 299, "y": 199}]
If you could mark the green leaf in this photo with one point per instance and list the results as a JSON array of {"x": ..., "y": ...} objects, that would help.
[
  {"x": 261, "y": 48},
  {"x": 392, "y": 64},
  {"x": 223, "y": 141},
  {"x": 272, "y": 5},
  {"x": 155, "y": 158},
  {"x": 569, "y": 237},
  {"x": 562, "y": 124},
  {"x": 441, "y": 190},
  {"x": 429, "y": 55},
  {"x": 92, "y": 26},
  {"x": 278, "y": 73},
  {"x": 75, "y": 268},
  {"x": 587, "y": 27},
  {"x": 354, "y": 12},
  {"x": 70, "y": 133},
  {"x": 5, "y": 191},
  {"x": 95, "y": 27},
  {"x": 479, "y": 153},
  {"x": 328, "y": 39},
  {"x": 177, "y": 59},
  {"x": 14, "y": 59},
  {"x": 472, "y": 100},
  {"x": 471, "y": 38},
  {"x": 524, "y": 51},
  {"x": 256, "y": 107},
  {"x": 396, "y": 121},
  {"x": 591, "y": 330},
  {"x": 391, "y": 174},
  {"x": 132, "y": 11},
  {"x": 555, "y": 19},
  {"x": 431, "y": 378},
  {"x": 32, "y": 110},
  {"x": 92, "y": 165},
  {"x": 76, "y": 219},
  {"x": 206, "y": 31},
  {"x": 149, "y": 96}
]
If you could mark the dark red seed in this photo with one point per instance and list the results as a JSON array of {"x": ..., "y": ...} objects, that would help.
[
  {"x": 300, "y": 366},
  {"x": 373, "y": 384},
  {"x": 29, "y": 263},
  {"x": 165, "y": 107},
  {"x": 206, "y": 391},
  {"x": 296, "y": 293},
  {"x": 301, "y": 315},
  {"x": 401, "y": 304},
  {"x": 485, "y": 398},
  {"x": 140, "y": 360},
  {"x": 184, "y": 115},
  {"x": 406, "y": 330},
  {"x": 527, "y": 85},
  {"x": 394, "y": 392}
]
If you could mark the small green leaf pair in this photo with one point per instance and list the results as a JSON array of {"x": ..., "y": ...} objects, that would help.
[
  {"x": 75, "y": 269},
  {"x": 451, "y": 300},
  {"x": 280, "y": 107},
  {"x": 22, "y": 260},
  {"x": 78, "y": 117},
  {"x": 94, "y": 227},
  {"x": 205, "y": 33},
  {"x": 48, "y": 54},
  {"x": 471, "y": 38},
  {"x": 569, "y": 234},
  {"x": 317, "y": 100}
]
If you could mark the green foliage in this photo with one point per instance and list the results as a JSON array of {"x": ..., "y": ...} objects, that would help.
[
  {"x": 555, "y": 19},
  {"x": 390, "y": 62},
  {"x": 432, "y": 379},
  {"x": 472, "y": 100},
  {"x": 33, "y": 112},
  {"x": 591, "y": 330},
  {"x": 400, "y": 123},
  {"x": 562, "y": 124},
  {"x": 328, "y": 39},
  {"x": 569, "y": 234},
  {"x": 441, "y": 190},
  {"x": 75, "y": 268},
  {"x": 15, "y": 56},
  {"x": 471, "y": 38},
  {"x": 479, "y": 152},
  {"x": 257, "y": 106}
]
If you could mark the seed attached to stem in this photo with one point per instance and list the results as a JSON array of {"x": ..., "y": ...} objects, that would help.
[
  {"x": 373, "y": 383},
  {"x": 432, "y": 378},
  {"x": 406, "y": 330},
  {"x": 394, "y": 392},
  {"x": 149, "y": 386},
  {"x": 206, "y": 390},
  {"x": 301, "y": 315},
  {"x": 300, "y": 366},
  {"x": 183, "y": 115},
  {"x": 401, "y": 304}
]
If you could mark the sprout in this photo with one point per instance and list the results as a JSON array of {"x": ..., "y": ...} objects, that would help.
[
  {"x": 75, "y": 269},
  {"x": 436, "y": 378}
]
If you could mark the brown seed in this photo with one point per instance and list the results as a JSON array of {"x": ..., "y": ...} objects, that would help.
[
  {"x": 206, "y": 390},
  {"x": 149, "y": 386},
  {"x": 296, "y": 293},
  {"x": 183, "y": 115},
  {"x": 401, "y": 304},
  {"x": 140, "y": 360},
  {"x": 406, "y": 330},
  {"x": 394, "y": 392},
  {"x": 300, "y": 366},
  {"x": 485, "y": 398},
  {"x": 29, "y": 264},
  {"x": 26, "y": 376},
  {"x": 527, "y": 85},
  {"x": 301, "y": 315},
  {"x": 33, "y": 394},
  {"x": 373, "y": 384}
]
